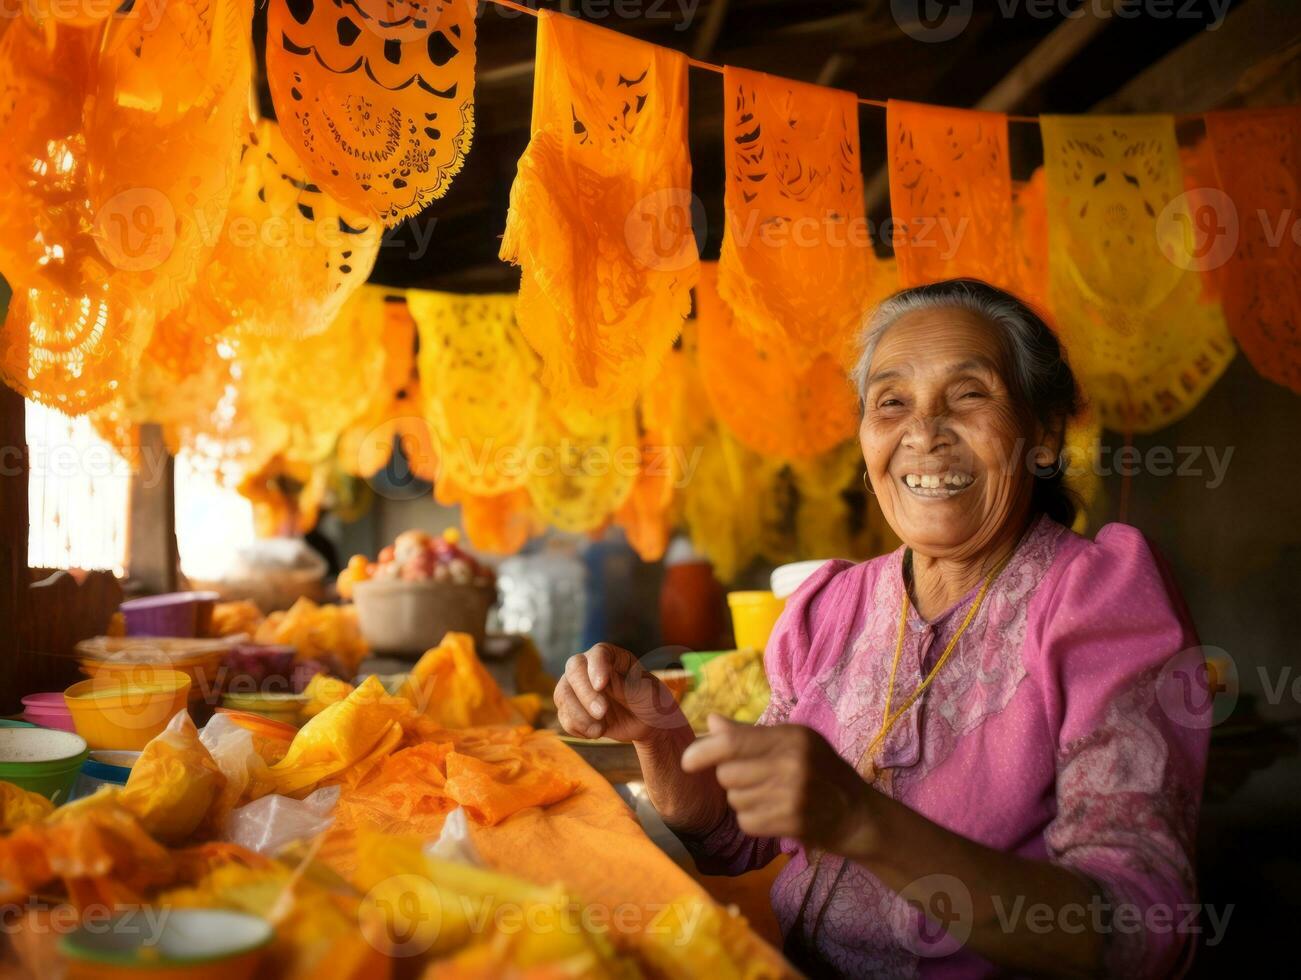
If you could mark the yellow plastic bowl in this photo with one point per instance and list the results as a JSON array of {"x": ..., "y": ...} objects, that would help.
[
  {"x": 284, "y": 708},
  {"x": 113, "y": 711},
  {"x": 200, "y": 659},
  {"x": 753, "y": 616}
]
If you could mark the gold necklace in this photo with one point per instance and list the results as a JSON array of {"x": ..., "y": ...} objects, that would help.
[{"x": 888, "y": 720}]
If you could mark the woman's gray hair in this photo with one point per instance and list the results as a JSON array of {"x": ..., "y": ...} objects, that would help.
[{"x": 1042, "y": 377}]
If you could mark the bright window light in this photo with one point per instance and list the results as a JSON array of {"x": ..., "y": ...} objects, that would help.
[
  {"x": 212, "y": 520},
  {"x": 77, "y": 494}
]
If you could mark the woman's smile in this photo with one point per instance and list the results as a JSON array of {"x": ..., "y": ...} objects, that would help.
[{"x": 944, "y": 485}]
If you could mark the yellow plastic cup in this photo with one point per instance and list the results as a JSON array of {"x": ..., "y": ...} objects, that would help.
[{"x": 753, "y": 616}]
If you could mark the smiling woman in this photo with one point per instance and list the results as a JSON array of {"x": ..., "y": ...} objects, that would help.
[
  {"x": 963, "y": 425},
  {"x": 1000, "y": 716}
]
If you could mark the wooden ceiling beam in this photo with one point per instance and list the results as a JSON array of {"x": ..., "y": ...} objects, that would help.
[{"x": 1216, "y": 68}]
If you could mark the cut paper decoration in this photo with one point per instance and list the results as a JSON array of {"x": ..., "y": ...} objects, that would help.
[
  {"x": 376, "y": 96},
  {"x": 1144, "y": 347},
  {"x": 950, "y": 194},
  {"x": 73, "y": 329},
  {"x": 772, "y": 405},
  {"x": 479, "y": 388},
  {"x": 795, "y": 258},
  {"x": 583, "y": 467},
  {"x": 163, "y": 126},
  {"x": 1258, "y": 159},
  {"x": 1030, "y": 241},
  {"x": 290, "y": 255},
  {"x": 600, "y": 213},
  {"x": 500, "y": 523}
]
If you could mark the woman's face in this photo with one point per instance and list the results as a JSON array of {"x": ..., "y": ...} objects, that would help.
[{"x": 944, "y": 436}]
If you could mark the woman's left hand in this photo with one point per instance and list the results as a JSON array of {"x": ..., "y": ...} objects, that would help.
[{"x": 786, "y": 781}]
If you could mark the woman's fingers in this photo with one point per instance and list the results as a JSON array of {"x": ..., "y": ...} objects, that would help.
[
  {"x": 726, "y": 741},
  {"x": 577, "y": 673},
  {"x": 608, "y": 664},
  {"x": 743, "y": 773},
  {"x": 574, "y": 714},
  {"x": 749, "y": 798},
  {"x": 764, "y": 821}
]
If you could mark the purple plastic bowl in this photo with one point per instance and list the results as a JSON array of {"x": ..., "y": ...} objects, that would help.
[
  {"x": 174, "y": 614},
  {"x": 49, "y": 710},
  {"x": 204, "y": 604}
]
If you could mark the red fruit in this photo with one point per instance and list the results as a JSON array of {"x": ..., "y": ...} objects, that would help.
[
  {"x": 386, "y": 553},
  {"x": 418, "y": 567}
]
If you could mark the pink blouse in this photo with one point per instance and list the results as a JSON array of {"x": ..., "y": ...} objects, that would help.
[{"x": 1062, "y": 728}]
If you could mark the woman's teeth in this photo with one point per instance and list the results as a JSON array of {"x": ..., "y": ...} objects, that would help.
[{"x": 946, "y": 483}]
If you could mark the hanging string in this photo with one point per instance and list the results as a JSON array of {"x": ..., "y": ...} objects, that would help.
[{"x": 875, "y": 103}]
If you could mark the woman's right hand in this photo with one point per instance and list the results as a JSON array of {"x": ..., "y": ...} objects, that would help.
[{"x": 607, "y": 692}]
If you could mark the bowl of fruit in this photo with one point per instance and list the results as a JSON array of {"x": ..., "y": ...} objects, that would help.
[{"x": 420, "y": 588}]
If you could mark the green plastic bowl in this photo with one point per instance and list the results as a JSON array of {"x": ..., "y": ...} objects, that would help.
[
  {"x": 694, "y": 661},
  {"x": 42, "y": 760},
  {"x": 15, "y": 723}
]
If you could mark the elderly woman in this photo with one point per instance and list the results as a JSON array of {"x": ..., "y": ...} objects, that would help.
[{"x": 974, "y": 753}]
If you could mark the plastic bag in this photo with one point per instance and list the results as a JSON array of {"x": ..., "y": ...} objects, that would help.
[
  {"x": 247, "y": 775},
  {"x": 270, "y": 823},
  {"x": 454, "y": 843},
  {"x": 174, "y": 783}
]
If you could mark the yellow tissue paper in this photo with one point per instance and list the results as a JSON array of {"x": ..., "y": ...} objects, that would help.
[
  {"x": 350, "y": 734},
  {"x": 18, "y": 807},
  {"x": 174, "y": 783},
  {"x": 450, "y": 685}
]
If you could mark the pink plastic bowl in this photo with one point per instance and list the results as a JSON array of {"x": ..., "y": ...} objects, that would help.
[{"x": 48, "y": 710}]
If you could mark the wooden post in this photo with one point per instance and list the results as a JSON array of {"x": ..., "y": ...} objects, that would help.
[
  {"x": 14, "y": 626},
  {"x": 152, "y": 559}
]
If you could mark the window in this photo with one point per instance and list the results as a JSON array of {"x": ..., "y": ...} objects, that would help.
[
  {"x": 77, "y": 494},
  {"x": 212, "y": 520}
]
